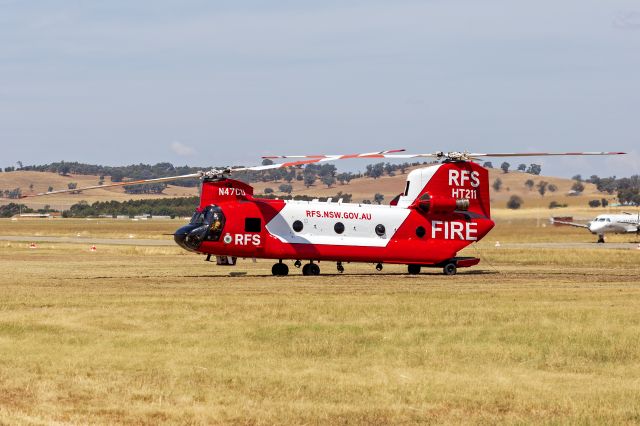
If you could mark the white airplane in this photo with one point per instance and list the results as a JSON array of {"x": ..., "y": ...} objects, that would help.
[{"x": 608, "y": 223}]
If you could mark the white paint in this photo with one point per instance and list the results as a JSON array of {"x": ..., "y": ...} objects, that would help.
[
  {"x": 320, "y": 218},
  {"x": 417, "y": 179}
]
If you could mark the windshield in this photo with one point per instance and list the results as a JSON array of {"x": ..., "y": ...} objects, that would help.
[{"x": 197, "y": 218}]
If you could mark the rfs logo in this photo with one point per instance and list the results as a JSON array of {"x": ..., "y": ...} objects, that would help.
[
  {"x": 242, "y": 239},
  {"x": 461, "y": 177}
]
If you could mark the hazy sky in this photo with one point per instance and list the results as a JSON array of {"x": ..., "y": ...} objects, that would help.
[{"x": 223, "y": 82}]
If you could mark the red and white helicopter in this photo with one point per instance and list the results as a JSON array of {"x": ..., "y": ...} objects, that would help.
[{"x": 443, "y": 209}]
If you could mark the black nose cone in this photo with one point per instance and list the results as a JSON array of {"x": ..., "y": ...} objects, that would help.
[{"x": 184, "y": 238}]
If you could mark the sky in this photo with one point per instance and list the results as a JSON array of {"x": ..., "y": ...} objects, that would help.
[{"x": 223, "y": 82}]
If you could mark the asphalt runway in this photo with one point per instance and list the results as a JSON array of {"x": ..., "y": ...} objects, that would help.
[{"x": 169, "y": 242}]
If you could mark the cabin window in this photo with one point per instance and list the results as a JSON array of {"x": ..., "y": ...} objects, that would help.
[
  {"x": 252, "y": 224},
  {"x": 339, "y": 228},
  {"x": 297, "y": 226}
]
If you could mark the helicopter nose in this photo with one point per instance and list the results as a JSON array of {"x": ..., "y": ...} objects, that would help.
[{"x": 180, "y": 237}]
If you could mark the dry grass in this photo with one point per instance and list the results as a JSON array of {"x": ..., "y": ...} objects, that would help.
[
  {"x": 156, "y": 335},
  {"x": 42, "y": 180}
]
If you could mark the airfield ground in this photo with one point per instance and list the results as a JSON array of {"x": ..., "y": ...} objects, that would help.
[{"x": 132, "y": 334}]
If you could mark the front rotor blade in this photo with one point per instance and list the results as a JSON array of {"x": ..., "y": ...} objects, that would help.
[{"x": 111, "y": 185}]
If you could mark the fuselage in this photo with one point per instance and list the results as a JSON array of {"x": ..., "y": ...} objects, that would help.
[
  {"x": 231, "y": 222},
  {"x": 616, "y": 223}
]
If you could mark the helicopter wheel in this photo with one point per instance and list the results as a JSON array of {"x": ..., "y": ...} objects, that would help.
[
  {"x": 310, "y": 269},
  {"x": 413, "y": 269},
  {"x": 601, "y": 239},
  {"x": 450, "y": 269},
  {"x": 340, "y": 267},
  {"x": 280, "y": 269}
]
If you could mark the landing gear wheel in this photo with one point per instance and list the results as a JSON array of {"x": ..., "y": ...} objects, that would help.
[
  {"x": 600, "y": 239},
  {"x": 340, "y": 267},
  {"x": 413, "y": 269},
  {"x": 450, "y": 269},
  {"x": 280, "y": 269},
  {"x": 310, "y": 269}
]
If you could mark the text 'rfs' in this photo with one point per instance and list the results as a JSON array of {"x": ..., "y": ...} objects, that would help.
[
  {"x": 461, "y": 177},
  {"x": 242, "y": 239}
]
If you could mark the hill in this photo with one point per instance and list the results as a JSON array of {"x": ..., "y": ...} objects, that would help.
[
  {"x": 513, "y": 183},
  {"x": 41, "y": 182}
]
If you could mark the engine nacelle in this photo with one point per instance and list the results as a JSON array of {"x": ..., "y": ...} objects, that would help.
[{"x": 441, "y": 205}]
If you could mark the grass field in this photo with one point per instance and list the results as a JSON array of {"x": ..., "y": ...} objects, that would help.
[{"x": 155, "y": 335}]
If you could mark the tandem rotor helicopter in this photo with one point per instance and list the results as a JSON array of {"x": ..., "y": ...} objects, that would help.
[{"x": 444, "y": 207}]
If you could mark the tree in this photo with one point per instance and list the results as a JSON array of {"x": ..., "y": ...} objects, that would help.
[
  {"x": 577, "y": 177},
  {"x": 577, "y": 186},
  {"x": 309, "y": 179},
  {"x": 72, "y": 185},
  {"x": 542, "y": 187},
  {"x": 487, "y": 165},
  {"x": 268, "y": 190},
  {"x": 514, "y": 202},
  {"x": 378, "y": 198},
  {"x": 505, "y": 167},
  {"x": 604, "y": 202},
  {"x": 286, "y": 188},
  {"x": 552, "y": 188},
  {"x": 116, "y": 175},
  {"x": 534, "y": 169},
  {"x": 31, "y": 187},
  {"x": 50, "y": 189},
  {"x": 366, "y": 201},
  {"x": 522, "y": 167},
  {"x": 594, "y": 203},
  {"x": 529, "y": 184},
  {"x": 19, "y": 163},
  {"x": 267, "y": 162},
  {"x": 64, "y": 170},
  {"x": 497, "y": 184},
  {"x": 344, "y": 178},
  {"x": 289, "y": 175},
  {"x": 328, "y": 180},
  {"x": 375, "y": 170}
]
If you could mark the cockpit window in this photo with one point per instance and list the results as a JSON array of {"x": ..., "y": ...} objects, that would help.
[
  {"x": 197, "y": 218},
  {"x": 608, "y": 219}
]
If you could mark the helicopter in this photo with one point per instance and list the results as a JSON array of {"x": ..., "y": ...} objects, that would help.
[{"x": 444, "y": 208}]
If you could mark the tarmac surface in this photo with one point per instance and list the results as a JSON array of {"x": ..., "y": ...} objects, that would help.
[{"x": 169, "y": 242}]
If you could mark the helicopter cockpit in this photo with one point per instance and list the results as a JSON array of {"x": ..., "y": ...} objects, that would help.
[{"x": 205, "y": 225}]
